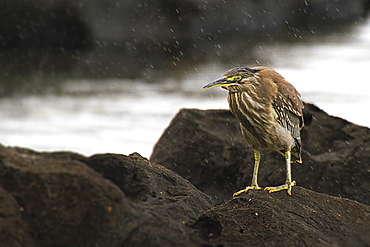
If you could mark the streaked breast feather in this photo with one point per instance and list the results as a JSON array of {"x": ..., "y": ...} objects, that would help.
[{"x": 252, "y": 114}]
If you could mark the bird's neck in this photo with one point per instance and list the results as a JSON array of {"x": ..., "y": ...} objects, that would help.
[{"x": 249, "y": 100}]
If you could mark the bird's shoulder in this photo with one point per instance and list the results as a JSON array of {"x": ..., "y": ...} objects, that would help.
[{"x": 286, "y": 95}]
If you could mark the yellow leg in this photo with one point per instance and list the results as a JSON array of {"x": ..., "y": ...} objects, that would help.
[
  {"x": 288, "y": 182},
  {"x": 254, "y": 186}
]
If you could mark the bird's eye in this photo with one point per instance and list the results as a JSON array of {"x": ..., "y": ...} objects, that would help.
[{"x": 234, "y": 78}]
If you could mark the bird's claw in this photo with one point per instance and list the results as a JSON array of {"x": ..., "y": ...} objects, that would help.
[
  {"x": 252, "y": 187},
  {"x": 286, "y": 186}
]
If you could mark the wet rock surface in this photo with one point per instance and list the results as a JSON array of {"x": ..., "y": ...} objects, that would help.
[
  {"x": 275, "y": 219},
  {"x": 207, "y": 148},
  {"x": 66, "y": 199}
]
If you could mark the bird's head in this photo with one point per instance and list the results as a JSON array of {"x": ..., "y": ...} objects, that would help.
[{"x": 234, "y": 77}]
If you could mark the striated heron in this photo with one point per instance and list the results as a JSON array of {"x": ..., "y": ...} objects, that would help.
[{"x": 269, "y": 109}]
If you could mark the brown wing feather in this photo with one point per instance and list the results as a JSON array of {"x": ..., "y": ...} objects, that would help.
[
  {"x": 289, "y": 109},
  {"x": 287, "y": 102}
]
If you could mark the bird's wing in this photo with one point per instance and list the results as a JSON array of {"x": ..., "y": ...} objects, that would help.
[{"x": 289, "y": 109}]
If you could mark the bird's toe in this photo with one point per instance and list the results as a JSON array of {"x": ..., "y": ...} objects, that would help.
[
  {"x": 287, "y": 186},
  {"x": 252, "y": 187}
]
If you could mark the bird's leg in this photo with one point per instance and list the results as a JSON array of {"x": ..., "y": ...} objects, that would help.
[
  {"x": 254, "y": 186},
  {"x": 288, "y": 182},
  {"x": 257, "y": 159}
]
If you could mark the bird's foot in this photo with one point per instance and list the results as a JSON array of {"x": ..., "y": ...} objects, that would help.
[
  {"x": 252, "y": 187},
  {"x": 286, "y": 186}
]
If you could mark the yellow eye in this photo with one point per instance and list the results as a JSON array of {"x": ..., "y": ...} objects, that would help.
[{"x": 234, "y": 78}]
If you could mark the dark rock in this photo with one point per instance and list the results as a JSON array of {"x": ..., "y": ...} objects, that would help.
[
  {"x": 167, "y": 202},
  {"x": 74, "y": 25},
  {"x": 56, "y": 199},
  {"x": 275, "y": 219},
  {"x": 46, "y": 26},
  {"x": 13, "y": 231},
  {"x": 66, "y": 199},
  {"x": 64, "y": 202},
  {"x": 144, "y": 38},
  {"x": 207, "y": 148}
]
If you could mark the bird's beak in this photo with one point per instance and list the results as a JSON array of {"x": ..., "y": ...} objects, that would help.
[{"x": 219, "y": 83}]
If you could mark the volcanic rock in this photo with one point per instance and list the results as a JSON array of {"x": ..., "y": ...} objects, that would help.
[
  {"x": 206, "y": 147},
  {"x": 307, "y": 218},
  {"x": 66, "y": 199},
  {"x": 58, "y": 199}
]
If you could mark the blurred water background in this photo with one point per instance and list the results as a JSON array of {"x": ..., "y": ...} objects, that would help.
[{"x": 108, "y": 76}]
